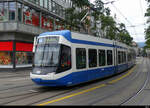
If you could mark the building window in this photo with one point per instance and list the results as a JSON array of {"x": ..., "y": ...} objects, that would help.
[
  {"x": 35, "y": 18},
  {"x": 53, "y": 7},
  {"x": 102, "y": 58},
  {"x": 50, "y": 5},
  {"x": 3, "y": 11},
  {"x": 19, "y": 12},
  {"x": 109, "y": 57},
  {"x": 34, "y": 1},
  {"x": 92, "y": 58},
  {"x": 27, "y": 16},
  {"x": 42, "y": 3},
  {"x": 46, "y": 4},
  {"x": 12, "y": 10},
  {"x": 31, "y": 16},
  {"x": 80, "y": 58},
  {"x": 47, "y": 22}
]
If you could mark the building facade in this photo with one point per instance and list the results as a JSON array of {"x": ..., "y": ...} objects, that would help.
[{"x": 20, "y": 21}]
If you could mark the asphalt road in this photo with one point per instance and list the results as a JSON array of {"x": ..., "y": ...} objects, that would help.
[{"x": 129, "y": 88}]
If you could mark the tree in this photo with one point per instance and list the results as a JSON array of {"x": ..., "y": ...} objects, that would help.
[
  {"x": 80, "y": 3},
  {"x": 108, "y": 26},
  {"x": 147, "y": 30}
]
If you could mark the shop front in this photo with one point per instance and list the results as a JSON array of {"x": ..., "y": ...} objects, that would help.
[{"x": 15, "y": 54}]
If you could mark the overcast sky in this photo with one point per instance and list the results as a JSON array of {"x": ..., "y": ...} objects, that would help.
[{"x": 130, "y": 12}]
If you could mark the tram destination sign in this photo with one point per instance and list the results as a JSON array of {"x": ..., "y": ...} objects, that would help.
[{"x": 48, "y": 40}]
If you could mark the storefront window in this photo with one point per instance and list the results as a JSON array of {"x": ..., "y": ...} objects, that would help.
[
  {"x": 24, "y": 58},
  {"x": 6, "y": 58},
  {"x": 12, "y": 10}
]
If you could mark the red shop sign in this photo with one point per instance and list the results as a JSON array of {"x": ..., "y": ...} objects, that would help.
[
  {"x": 6, "y": 46},
  {"x": 20, "y": 46}
]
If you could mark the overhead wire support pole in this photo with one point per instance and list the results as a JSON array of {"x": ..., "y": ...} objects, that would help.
[{"x": 84, "y": 16}]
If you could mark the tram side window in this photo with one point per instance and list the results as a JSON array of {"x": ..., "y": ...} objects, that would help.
[
  {"x": 109, "y": 57},
  {"x": 119, "y": 57},
  {"x": 129, "y": 57},
  {"x": 102, "y": 58},
  {"x": 65, "y": 59},
  {"x": 92, "y": 58},
  {"x": 122, "y": 57},
  {"x": 81, "y": 58}
]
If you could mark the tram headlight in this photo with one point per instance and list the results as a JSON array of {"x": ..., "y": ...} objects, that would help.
[{"x": 38, "y": 72}]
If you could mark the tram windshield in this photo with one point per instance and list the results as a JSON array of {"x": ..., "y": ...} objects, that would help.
[
  {"x": 52, "y": 55},
  {"x": 47, "y": 55}
]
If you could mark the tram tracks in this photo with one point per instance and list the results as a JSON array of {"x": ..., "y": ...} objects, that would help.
[
  {"x": 38, "y": 94},
  {"x": 4, "y": 77},
  {"x": 115, "y": 92},
  {"x": 140, "y": 90}
]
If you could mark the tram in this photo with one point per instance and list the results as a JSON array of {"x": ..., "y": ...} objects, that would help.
[{"x": 65, "y": 58}]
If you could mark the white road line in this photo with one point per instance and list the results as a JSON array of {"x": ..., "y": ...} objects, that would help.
[{"x": 20, "y": 79}]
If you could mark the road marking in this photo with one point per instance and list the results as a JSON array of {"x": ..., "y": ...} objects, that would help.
[
  {"x": 118, "y": 79},
  {"x": 20, "y": 79},
  {"x": 34, "y": 91},
  {"x": 88, "y": 90},
  {"x": 74, "y": 94}
]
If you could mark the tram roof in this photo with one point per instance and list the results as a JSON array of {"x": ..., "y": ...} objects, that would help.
[
  {"x": 74, "y": 35},
  {"x": 65, "y": 33},
  {"x": 69, "y": 37}
]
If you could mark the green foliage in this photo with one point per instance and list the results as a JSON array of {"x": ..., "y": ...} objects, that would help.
[
  {"x": 108, "y": 24},
  {"x": 147, "y": 30},
  {"x": 80, "y": 3}
]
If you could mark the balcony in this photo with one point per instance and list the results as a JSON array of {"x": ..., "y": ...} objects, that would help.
[{"x": 20, "y": 27}]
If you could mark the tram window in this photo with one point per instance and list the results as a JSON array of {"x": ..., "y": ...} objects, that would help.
[
  {"x": 109, "y": 57},
  {"x": 65, "y": 59},
  {"x": 124, "y": 57},
  {"x": 102, "y": 58},
  {"x": 129, "y": 57},
  {"x": 122, "y": 60},
  {"x": 80, "y": 58},
  {"x": 92, "y": 58},
  {"x": 119, "y": 57}
]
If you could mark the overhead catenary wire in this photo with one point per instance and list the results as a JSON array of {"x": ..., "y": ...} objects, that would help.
[{"x": 131, "y": 25}]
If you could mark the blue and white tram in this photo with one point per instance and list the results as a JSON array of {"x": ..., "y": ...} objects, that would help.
[{"x": 64, "y": 58}]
